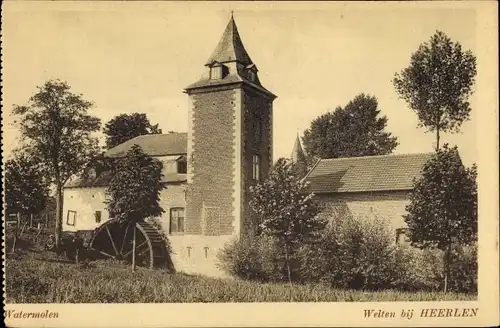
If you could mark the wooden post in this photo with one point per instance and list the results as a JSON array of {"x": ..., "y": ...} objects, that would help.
[
  {"x": 31, "y": 220},
  {"x": 133, "y": 249}
]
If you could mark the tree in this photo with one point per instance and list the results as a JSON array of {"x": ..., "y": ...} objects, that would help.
[
  {"x": 286, "y": 212},
  {"x": 438, "y": 83},
  {"x": 134, "y": 190},
  {"x": 127, "y": 126},
  {"x": 26, "y": 191},
  {"x": 57, "y": 130},
  {"x": 355, "y": 130},
  {"x": 442, "y": 211}
]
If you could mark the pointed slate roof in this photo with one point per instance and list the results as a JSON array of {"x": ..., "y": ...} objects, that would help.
[
  {"x": 297, "y": 151},
  {"x": 299, "y": 158},
  {"x": 366, "y": 174},
  {"x": 230, "y": 47}
]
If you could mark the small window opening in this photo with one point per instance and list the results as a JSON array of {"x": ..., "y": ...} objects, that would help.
[
  {"x": 71, "y": 218},
  {"x": 189, "y": 251},
  {"x": 256, "y": 167},
  {"x": 206, "y": 251},
  {"x": 216, "y": 73},
  {"x": 182, "y": 167},
  {"x": 177, "y": 220},
  {"x": 98, "y": 215}
]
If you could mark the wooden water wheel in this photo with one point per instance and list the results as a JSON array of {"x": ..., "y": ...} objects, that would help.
[{"x": 115, "y": 240}]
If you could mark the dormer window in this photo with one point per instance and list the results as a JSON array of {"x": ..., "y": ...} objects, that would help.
[
  {"x": 182, "y": 165},
  {"x": 218, "y": 71},
  {"x": 252, "y": 72},
  {"x": 251, "y": 75}
]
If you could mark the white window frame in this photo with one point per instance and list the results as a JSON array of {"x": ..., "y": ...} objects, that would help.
[
  {"x": 177, "y": 217},
  {"x": 73, "y": 216},
  {"x": 216, "y": 73}
]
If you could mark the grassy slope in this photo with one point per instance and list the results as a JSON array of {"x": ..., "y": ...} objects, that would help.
[{"x": 35, "y": 279}]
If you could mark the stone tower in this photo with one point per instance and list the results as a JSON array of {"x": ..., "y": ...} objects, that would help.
[{"x": 229, "y": 139}]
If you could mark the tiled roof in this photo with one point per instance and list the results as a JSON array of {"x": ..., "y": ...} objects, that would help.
[
  {"x": 366, "y": 174},
  {"x": 104, "y": 178},
  {"x": 101, "y": 180},
  {"x": 230, "y": 47},
  {"x": 153, "y": 145}
]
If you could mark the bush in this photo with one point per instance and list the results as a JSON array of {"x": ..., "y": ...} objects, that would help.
[
  {"x": 463, "y": 269},
  {"x": 253, "y": 259},
  {"x": 353, "y": 253}
]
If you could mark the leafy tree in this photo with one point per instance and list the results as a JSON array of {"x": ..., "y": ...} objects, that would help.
[
  {"x": 127, "y": 126},
  {"x": 355, "y": 130},
  {"x": 57, "y": 130},
  {"x": 26, "y": 191},
  {"x": 438, "y": 83},
  {"x": 134, "y": 190},
  {"x": 285, "y": 211},
  {"x": 443, "y": 205}
]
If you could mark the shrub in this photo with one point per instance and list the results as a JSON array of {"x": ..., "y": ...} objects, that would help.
[
  {"x": 256, "y": 258},
  {"x": 463, "y": 269},
  {"x": 353, "y": 253}
]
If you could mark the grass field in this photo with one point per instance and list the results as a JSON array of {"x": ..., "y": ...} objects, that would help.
[{"x": 43, "y": 278}]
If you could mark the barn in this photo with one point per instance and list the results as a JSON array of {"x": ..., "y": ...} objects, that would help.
[{"x": 367, "y": 186}]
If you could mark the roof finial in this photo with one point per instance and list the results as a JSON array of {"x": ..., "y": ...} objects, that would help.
[{"x": 232, "y": 13}]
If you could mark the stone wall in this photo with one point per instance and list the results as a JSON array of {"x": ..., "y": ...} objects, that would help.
[{"x": 388, "y": 205}]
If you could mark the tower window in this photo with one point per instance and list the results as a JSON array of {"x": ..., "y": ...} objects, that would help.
[
  {"x": 256, "y": 167},
  {"x": 176, "y": 220},
  {"x": 216, "y": 73}
]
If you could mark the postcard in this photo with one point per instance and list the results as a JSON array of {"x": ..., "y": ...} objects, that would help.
[{"x": 181, "y": 164}]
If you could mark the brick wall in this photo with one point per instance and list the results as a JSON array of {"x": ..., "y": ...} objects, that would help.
[
  {"x": 257, "y": 109},
  {"x": 389, "y": 205},
  {"x": 211, "y": 158}
]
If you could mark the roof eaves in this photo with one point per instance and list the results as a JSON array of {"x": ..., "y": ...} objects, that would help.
[{"x": 312, "y": 168}]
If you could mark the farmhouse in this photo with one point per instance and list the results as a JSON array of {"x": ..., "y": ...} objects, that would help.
[{"x": 207, "y": 171}]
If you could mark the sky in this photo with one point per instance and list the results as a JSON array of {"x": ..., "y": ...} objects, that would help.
[{"x": 138, "y": 57}]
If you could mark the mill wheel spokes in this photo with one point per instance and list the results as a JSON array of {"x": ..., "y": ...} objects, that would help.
[{"x": 115, "y": 240}]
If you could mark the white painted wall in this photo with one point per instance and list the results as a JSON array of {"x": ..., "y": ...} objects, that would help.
[
  {"x": 84, "y": 201},
  {"x": 194, "y": 260}
]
